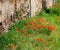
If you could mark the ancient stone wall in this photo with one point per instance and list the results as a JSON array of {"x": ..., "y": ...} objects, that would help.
[
  {"x": 26, "y": 8},
  {"x": 36, "y": 6},
  {"x": 49, "y": 3},
  {"x": 8, "y": 10}
]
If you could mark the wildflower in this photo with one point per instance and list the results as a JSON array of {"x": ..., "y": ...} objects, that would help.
[
  {"x": 16, "y": 29},
  {"x": 32, "y": 23},
  {"x": 37, "y": 27},
  {"x": 51, "y": 28},
  {"x": 38, "y": 40},
  {"x": 40, "y": 19},
  {"x": 43, "y": 40},
  {"x": 22, "y": 31}
]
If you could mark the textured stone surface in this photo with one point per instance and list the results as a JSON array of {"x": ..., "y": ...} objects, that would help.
[
  {"x": 36, "y": 6},
  {"x": 49, "y": 3}
]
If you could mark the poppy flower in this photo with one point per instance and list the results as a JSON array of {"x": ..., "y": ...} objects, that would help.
[
  {"x": 17, "y": 29},
  {"x": 38, "y": 40},
  {"x": 51, "y": 28},
  {"x": 43, "y": 40},
  {"x": 37, "y": 27},
  {"x": 32, "y": 23},
  {"x": 22, "y": 31},
  {"x": 40, "y": 19}
]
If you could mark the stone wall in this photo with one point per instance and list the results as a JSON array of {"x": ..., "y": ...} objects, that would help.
[
  {"x": 36, "y": 6},
  {"x": 26, "y": 8},
  {"x": 49, "y": 3},
  {"x": 8, "y": 10}
]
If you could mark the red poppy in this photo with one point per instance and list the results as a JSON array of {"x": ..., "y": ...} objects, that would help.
[
  {"x": 32, "y": 23},
  {"x": 22, "y": 31},
  {"x": 43, "y": 40},
  {"x": 38, "y": 40},
  {"x": 51, "y": 28},
  {"x": 17, "y": 29},
  {"x": 40, "y": 19},
  {"x": 37, "y": 27}
]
